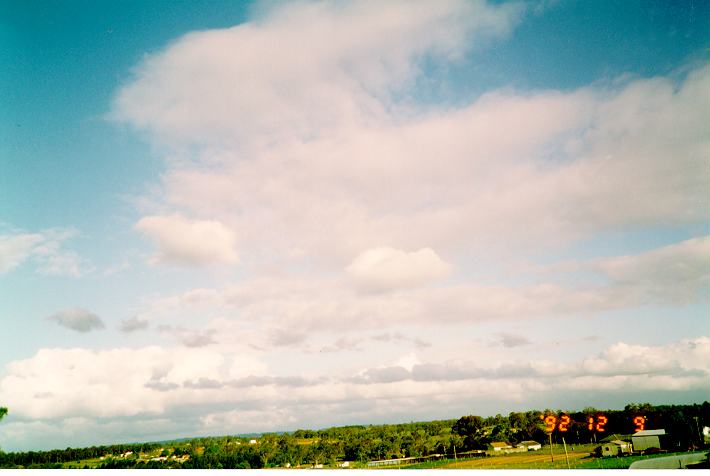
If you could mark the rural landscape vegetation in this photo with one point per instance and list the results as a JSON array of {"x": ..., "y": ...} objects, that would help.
[{"x": 466, "y": 443}]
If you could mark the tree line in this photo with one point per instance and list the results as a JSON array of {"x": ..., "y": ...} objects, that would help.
[{"x": 361, "y": 443}]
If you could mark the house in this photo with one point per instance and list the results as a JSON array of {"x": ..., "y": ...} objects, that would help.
[
  {"x": 252, "y": 442},
  {"x": 647, "y": 439},
  {"x": 500, "y": 446},
  {"x": 344, "y": 464},
  {"x": 613, "y": 448},
  {"x": 616, "y": 436},
  {"x": 530, "y": 445}
]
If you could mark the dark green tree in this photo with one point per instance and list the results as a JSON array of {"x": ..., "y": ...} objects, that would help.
[{"x": 471, "y": 428}]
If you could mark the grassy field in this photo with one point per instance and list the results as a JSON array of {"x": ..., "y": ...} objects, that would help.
[{"x": 578, "y": 459}]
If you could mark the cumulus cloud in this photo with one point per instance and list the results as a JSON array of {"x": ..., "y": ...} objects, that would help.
[
  {"x": 150, "y": 381},
  {"x": 133, "y": 324},
  {"x": 385, "y": 268},
  {"x": 688, "y": 356},
  {"x": 482, "y": 179},
  {"x": 78, "y": 319},
  {"x": 45, "y": 249},
  {"x": 115, "y": 382},
  {"x": 189, "y": 242},
  {"x": 678, "y": 273},
  {"x": 190, "y": 337},
  {"x": 311, "y": 62},
  {"x": 513, "y": 340},
  {"x": 350, "y": 161},
  {"x": 199, "y": 339}
]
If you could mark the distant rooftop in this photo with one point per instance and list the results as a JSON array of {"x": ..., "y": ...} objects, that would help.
[{"x": 650, "y": 433}]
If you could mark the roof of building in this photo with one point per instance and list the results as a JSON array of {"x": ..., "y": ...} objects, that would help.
[
  {"x": 650, "y": 433},
  {"x": 529, "y": 443},
  {"x": 619, "y": 442},
  {"x": 616, "y": 436},
  {"x": 499, "y": 444}
]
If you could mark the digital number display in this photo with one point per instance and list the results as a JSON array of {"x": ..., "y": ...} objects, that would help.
[
  {"x": 640, "y": 422},
  {"x": 552, "y": 423},
  {"x": 595, "y": 423}
]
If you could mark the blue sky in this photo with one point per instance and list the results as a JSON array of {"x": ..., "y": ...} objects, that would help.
[{"x": 197, "y": 194}]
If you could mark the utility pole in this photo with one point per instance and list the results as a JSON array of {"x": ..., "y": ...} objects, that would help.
[
  {"x": 564, "y": 444},
  {"x": 552, "y": 456}
]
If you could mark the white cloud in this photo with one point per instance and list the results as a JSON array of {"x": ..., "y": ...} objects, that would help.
[
  {"x": 133, "y": 324},
  {"x": 61, "y": 383},
  {"x": 690, "y": 355},
  {"x": 510, "y": 340},
  {"x": 77, "y": 319},
  {"x": 385, "y": 268},
  {"x": 14, "y": 249},
  {"x": 300, "y": 70},
  {"x": 44, "y": 249},
  {"x": 677, "y": 273},
  {"x": 151, "y": 382},
  {"x": 485, "y": 180},
  {"x": 189, "y": 242}
]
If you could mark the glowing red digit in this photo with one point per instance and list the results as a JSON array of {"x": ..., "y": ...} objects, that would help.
[
  {"x": 601, "y": 421},
  {"x": 590, "y": 420},
  {"x": 640, "y": 423},
  {"x": 550, "y": 423},
  {"x": 564, "y": 421}
]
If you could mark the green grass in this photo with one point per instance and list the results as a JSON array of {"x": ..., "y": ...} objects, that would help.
[
  {"x": 497, "y": 462},
  {"x": 621, "y": 462}
]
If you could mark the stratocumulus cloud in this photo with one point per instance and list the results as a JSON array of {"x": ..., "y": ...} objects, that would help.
[
  {"x": 133, "y": 324},
  {"x": 190, "y": 242},
  {"x": 45, "y": 249},
  {"x": 55, "y": 382},
  {"x": 385, "y": 268},
  {"x": 78, "y": 319}
]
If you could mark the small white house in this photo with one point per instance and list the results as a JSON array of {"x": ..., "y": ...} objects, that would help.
[
  {"x": 614, "y": 448},
  {"x": 252, "y": 442},
  {"x": 530, "y": 445}
]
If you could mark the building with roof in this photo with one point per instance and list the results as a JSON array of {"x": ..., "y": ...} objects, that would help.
[
  {"x": 500, "y": 446},
  {"x": 530, "y": 445},
  {"x": 614, "y": 448},
  {"x": 647, "y": 439}
]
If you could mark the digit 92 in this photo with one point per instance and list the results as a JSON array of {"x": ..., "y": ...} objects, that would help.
[{"x": 552, "y": 423}]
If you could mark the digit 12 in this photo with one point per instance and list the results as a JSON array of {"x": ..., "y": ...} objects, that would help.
[{"x": 599, "y": 426}]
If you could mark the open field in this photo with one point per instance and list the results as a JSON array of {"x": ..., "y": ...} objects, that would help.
[
  {"x": 578, "y": 459},
  {"x": 533, "y": 459}
]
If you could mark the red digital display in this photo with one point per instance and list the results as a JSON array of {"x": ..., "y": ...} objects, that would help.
[
  {"x": 640, "y": 422},
  {"x": 595, "y": 423},
  {"x": 601, "y": 421},
  {"x": 564, "y": 423},
  {"x": 552, "y": 423}
]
